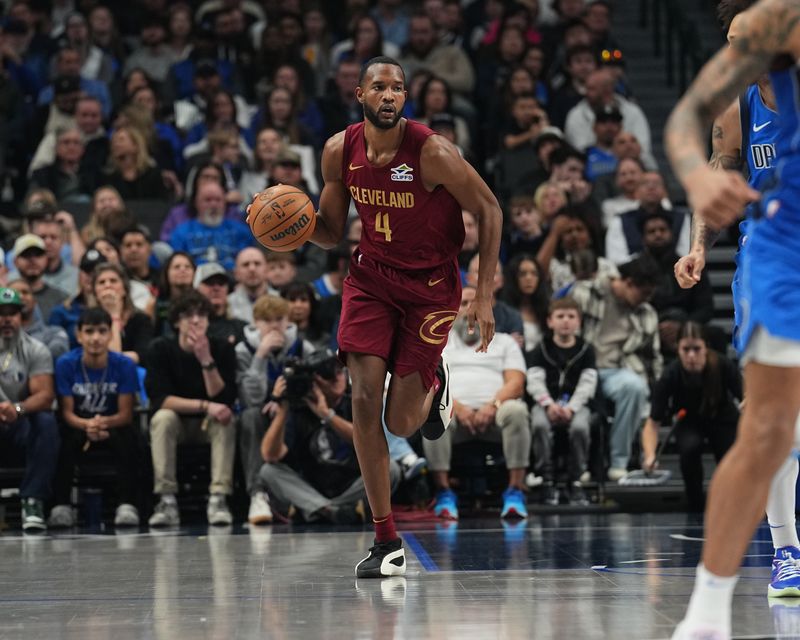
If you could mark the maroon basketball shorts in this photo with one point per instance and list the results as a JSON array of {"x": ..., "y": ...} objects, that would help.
[{"x": 399, "y": 315}]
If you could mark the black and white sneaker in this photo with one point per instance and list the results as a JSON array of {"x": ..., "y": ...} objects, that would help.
[
  {"x": 385, "y": 559},
  {"x": 441, "y": 413}
]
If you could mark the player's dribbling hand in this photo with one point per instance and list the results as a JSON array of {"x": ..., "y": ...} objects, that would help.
[
  {"x": 719, "y": 196},
  {"x": 480, "y": 311},
  {"x": 689, "y": 269}
]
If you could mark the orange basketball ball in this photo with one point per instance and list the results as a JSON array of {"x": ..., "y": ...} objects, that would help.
[{"x": 282, "y": 218}]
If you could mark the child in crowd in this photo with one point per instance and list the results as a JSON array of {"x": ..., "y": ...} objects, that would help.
[
  {"x": 525, "y": 234},
  {"x": 562, "y": 379},
  {"x": 95, "y": 389}
]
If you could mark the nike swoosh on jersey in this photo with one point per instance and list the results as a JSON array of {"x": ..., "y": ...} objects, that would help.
[
  {"x": 353, "y": 167},
  {"x": 759, "y": 127},
  {"x": 431, "y": 283}
]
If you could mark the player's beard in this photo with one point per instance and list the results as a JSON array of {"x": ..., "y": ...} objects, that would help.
[{"x": 373, "y": 117}]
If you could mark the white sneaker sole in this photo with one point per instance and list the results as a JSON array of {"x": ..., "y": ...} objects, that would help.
[
  {"x": 262, "y": 519},
  {"x": 786, "y": 592},
  {"x": 387, "y": 568}
]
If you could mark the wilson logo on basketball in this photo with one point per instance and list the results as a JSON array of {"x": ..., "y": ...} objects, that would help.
[
  {"x": 291, "y": 230},
  {"x": 436, "y": 326}
]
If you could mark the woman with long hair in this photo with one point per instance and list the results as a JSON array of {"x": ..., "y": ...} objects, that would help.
[
  {"x": 303, "y": 311},
  {"x": 366, "y": 41},
  {"x": 549, "y": 198},
  {"x": 221, "y": 112},
  {"x": 132, "y": 170},
  {"x": 287, "y": 77},
  {"x": 167, "y": 141},
  {"x": 177, "y": 277},
  {"x": 280, "y": 113},
  {"x": 109, "y": 251},
  {"x": 435, "y": 97},
  {"x": 526, "y": 289},
  {"x": 520, "y": 81},
  {"x": 703, "y": 389},
  {"x": 140, "y": 116},
  {"x": 131, "y": 330},
  {"x": 269, "y": 144},
  {"x": 108, "y": 214}
]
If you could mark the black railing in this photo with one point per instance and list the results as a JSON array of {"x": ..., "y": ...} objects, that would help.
[{"x": 676, "y": 39}]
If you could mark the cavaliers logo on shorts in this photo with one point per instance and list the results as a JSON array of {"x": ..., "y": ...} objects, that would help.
[{"x": 436, "y": 326}]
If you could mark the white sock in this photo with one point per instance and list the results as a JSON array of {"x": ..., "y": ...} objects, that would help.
[
  {"x": 781, "y": 505},
  {"x": 710, "y": 606},
  {"x": 169, "y": 498}
]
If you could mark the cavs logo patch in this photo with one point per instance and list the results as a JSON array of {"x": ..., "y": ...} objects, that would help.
[
  {"x": 402, "y": 173},
  {"x": 436, "y": 326}
]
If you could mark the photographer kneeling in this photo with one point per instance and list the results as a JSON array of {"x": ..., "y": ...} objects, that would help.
[
  {"x": 704, "y": 388},
  {"x": 308, "y": 450}
]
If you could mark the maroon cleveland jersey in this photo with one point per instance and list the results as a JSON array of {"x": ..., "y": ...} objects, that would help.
[{"x": 404, "y": 225}]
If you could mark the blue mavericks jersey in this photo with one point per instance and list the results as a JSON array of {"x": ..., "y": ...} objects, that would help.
[
  {"x": 759, "y": 127},
  {"x": 770, "y": 267},
  {"x": 759, "y": 134}
]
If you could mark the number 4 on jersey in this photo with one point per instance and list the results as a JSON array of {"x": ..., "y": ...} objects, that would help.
[{"x": 382, "y": 225}]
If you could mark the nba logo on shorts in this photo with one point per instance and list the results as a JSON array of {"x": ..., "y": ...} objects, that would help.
[{"x": 402, "y": 173}]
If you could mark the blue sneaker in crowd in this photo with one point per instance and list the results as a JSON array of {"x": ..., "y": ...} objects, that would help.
[
  {"x": 446, "y": 505},
  {"x": 514, "y": 504},
  {"x": 785, "y": 573}
]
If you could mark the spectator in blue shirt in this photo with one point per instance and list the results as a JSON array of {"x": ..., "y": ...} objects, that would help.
[
  {"x": 95, "y": 389},
  {"x": 600, "y": 158},
  {"x": 210, "y": 237}
]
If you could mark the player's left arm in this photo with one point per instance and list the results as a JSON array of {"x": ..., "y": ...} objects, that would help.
[
  {"x": 443, "y": 165},
  {"x": 768, "y": 29}
]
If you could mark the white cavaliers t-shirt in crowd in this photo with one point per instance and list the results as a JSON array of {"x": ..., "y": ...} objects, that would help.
[{"x": 475, "y": 378}]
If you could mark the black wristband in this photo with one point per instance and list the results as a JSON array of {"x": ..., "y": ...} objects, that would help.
[{"x": 208, "y": 367}]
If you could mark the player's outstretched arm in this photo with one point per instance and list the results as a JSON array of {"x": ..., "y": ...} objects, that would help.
[
  {"x": 768, "y": 29},
  {"x": 726, "y": 154},
  {"x": 443, "y": 165},
  {"x": 334, "y": 201}
]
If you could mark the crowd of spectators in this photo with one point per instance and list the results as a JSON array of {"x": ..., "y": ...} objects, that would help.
[{"x": 188, "y": 108}]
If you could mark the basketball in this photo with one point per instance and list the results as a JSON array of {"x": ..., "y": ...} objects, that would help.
[{"x": 282, "y": 217}]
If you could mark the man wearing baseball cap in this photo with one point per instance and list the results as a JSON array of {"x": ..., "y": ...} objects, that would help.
[
  {"x": 27, "y": 424},
  {"x": 30, "y": 259},
  {"x": 214, "y": 283},
  {"x": 600, "y": 158}
]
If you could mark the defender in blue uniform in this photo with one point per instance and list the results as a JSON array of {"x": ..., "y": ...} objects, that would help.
[
  {"x": 745, "y": 136},
  {"x": 767, "y": 39}
]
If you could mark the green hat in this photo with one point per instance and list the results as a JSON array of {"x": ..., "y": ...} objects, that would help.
[{"x": 10, "y": 296}]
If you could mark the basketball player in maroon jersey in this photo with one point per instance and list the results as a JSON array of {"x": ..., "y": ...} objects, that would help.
[{"x": 404, "y": 288}]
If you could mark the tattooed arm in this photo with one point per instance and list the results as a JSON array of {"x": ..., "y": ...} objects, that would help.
[
  {"x": 766, "y": 30},
  {"x": 726, "y": 154}
]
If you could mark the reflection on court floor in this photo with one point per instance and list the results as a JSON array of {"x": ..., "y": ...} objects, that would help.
[{"x": 575, "y": 576}]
